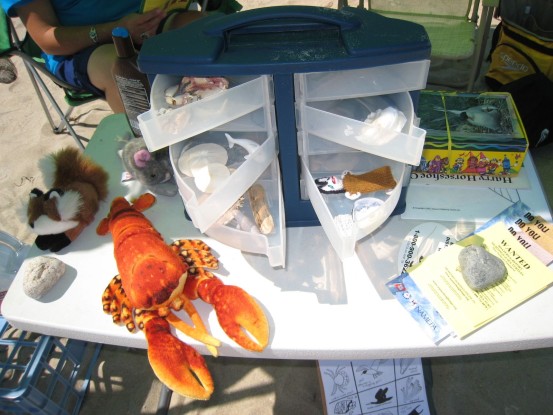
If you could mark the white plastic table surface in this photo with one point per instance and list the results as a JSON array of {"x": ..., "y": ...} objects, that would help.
[{"x": 318, "y": 307}]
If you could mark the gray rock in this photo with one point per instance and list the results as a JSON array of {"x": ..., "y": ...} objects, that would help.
[
  {"x": 41, "y": 274},
  {"x": 481, "y": 269}
]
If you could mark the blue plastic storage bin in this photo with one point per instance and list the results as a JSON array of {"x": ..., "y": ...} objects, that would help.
[
  {"x": 43, "y": 374},
  {"x": 306, "y": 79},
  {"x": 284, "y": 41}
]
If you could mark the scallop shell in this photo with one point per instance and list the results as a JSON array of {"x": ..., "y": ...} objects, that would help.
[
  {"x": 209, "y": 176},
  {"x": 208, "y": 152}
]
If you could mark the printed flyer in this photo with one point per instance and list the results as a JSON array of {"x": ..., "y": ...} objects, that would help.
[{"x": 440, "y": 280}]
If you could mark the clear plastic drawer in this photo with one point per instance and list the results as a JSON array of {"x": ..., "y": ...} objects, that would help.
[
  {"x": 343, "y": 122},
  {"x": 344, "y": 220},
  {"x": 237, "y": 228},
  {"x": 352, "y": 83},
  {"x": 212, "y": 173},
  {"x": 161, "y": 129}
]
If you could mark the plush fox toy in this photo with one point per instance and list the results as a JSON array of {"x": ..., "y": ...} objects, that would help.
[{"x": 77, "y": 186}]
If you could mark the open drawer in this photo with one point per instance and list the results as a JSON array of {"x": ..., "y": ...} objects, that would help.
[
  {"x": 352, "y": 83},
  {"x": 237, "y": 227},
  {"x": 391, "y": 133},
  {"x": 212, "y": 171},
  {"x": 162, "y": 126},
  {"x": 345, "y": 221}
]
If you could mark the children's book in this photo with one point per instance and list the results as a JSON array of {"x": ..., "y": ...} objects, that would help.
[{"x": 167, "y": 5}]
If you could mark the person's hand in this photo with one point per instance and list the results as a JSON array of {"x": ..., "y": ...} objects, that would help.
[{"x": 142, "y": 26}]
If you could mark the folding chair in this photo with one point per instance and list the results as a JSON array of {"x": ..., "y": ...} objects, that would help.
[
  {"x": 30, "y": 53},
  {"x": 453, "y": 26}
]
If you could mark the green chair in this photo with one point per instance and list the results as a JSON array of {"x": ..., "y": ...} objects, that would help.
[
  {"x": 454, "y": 27},
  {"x": 30, "y": 53}
]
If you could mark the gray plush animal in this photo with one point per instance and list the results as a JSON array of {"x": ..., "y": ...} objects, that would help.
[{"x": 152, "y": 170}]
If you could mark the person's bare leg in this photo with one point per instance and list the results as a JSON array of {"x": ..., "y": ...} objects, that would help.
[{"x": 99, "y": 73}]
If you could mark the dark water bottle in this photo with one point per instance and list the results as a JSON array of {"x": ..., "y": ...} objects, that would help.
[{"x": 132, "y": 84}]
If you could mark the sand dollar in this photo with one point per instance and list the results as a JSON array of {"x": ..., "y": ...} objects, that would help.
[
  {"x": 208, "y": 177},
  {"x": 210, "y": 152}
]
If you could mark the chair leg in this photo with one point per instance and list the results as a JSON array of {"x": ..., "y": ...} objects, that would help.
[
  {"x": 39, "y": 95},
  {"x": 41, "y": 88},
  {"x": 61, "y": 126},
  {"x": 481, "y": 42}
]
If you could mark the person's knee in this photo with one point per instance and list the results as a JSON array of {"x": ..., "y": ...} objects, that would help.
[
  {"x": 99, "y": 66},
  {"x": 99, "y": 73}
]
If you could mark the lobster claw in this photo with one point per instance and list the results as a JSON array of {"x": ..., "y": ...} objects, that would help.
[
  {"x": 181, "y": 368},
  {"x": 239, "y": 315}
]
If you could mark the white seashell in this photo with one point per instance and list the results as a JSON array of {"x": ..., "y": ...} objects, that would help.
[
  {"x": 171, "y": 95},
  {"x": 210, "y": 176},
  {"x": 365, "y": 209},
  {"x": 381, "y": 125},
  {"x": 210, "y": 152},
  {"x": 171, "y": 91}
]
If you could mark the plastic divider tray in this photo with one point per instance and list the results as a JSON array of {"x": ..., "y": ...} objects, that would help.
[{"x": 43, "y": 374}]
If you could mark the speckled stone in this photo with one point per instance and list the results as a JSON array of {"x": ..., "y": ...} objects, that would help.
[
  {"x": 481, "y": 269},
  {"x": 41, "y": 274}
]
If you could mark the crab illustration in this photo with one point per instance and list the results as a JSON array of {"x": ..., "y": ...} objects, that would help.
[
  {"x": 340, "y": 378},
  {"x": 156, "y": 279}
]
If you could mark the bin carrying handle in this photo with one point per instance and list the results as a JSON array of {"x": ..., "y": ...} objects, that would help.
[{"x": 259, "y": 19}]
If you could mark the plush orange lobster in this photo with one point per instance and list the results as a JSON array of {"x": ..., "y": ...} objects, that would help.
[{"x": 154, "y": 279}]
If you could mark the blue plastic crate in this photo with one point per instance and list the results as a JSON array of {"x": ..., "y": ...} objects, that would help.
[{"x": 43, "y": 374}]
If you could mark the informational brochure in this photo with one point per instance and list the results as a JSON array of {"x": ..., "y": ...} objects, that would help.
[
  {"x": 423, "y": 240},
  {"x": 440, "y": 280},
  {"x": 375, "y": 387},
  {"x": 421, "y": 309},
  {"x": 532, "y": 232}
]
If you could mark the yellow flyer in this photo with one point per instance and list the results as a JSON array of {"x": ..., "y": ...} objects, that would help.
[{"x": 440, "y": 280}]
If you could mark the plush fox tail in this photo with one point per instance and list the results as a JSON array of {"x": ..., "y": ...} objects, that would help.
[{"x": 69, "y": 165}]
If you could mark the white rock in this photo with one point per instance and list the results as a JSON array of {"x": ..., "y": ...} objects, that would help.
[
  {"x": 41, "y": 274},
  {"x": 481, "y": 269}
]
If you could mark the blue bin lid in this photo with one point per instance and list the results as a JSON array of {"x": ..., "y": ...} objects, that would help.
[{"x": 284, "y": 39}]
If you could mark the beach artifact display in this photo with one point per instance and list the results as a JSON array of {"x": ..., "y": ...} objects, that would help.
[
  {"x": 353, "y": 185},
  {"x": 191, "y": 89},
  {"x": 155, "y": 280},
  {"x": 77, "y": 186},
  {"x": 382, "y": 125},
  {"x": 480, "y": 268},
  {"x": 260, "y": 209}
]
